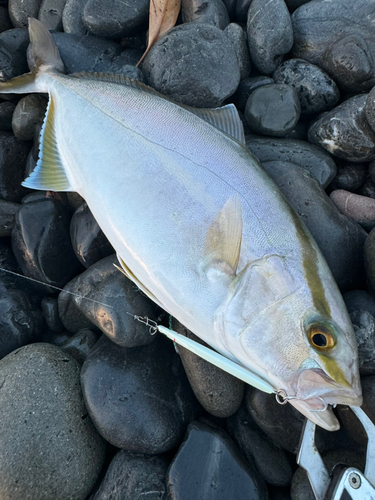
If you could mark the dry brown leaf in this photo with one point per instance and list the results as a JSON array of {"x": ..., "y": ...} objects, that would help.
[{"x": 163, "y": 16}]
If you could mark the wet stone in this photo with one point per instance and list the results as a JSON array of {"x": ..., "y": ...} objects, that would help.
[
  {"x": 19, "y": 11},
  {"x": 41, "y": 243},
  {"x": 273, "y": 110},
  {"x": 193, "y": 63},
  {"x": 201, "y": 11},
  {"x": 29, "y": 113},
  {"x": 114, "y": 18},
  {"x": 246, "y": 87},
  {"x": 316, "y": 91},
  {"x": 50, "y": 312},
  {"x": 13, "y": 156},
  {"x": 360, "y": 208},
  {"x": 341, "y": 47},
  {"x": 350, "y": 176},
  {"x": 13, "y": 46},
  {"x": 88, "y": 240},
  {"x": 217, "y": 391},
  {"x": 72, "y": 17},
  {"x": 238, "y": 38},
  {"x": 345, "y": 132},
  {"x": 356, "y": 300},
  {"x": 269, "y": 34},
  {"x": 50, "y": 14},
  {"x": 80, "y": 344},
  {"x": 316, "y": 161},
  {"x": 8, "y": 211},
  {"x": 48, "y": 416},
  {"x": 134, "y": 477},
  {"x": 6, "y": 112},
  {"x": 364, "y": 328},
  {"x": 138, "y": 398}
]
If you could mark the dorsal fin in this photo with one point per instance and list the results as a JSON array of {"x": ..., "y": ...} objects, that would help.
[
  {"x": 42, "y": 53},
  {"x": 226, "y": 118}
]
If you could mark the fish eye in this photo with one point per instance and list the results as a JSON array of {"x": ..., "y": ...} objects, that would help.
[{"x": 321, "y": 337}]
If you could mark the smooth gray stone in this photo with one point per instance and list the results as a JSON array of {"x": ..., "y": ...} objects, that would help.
[
  {"x": 50, "y": 312},
  {"x": 138, "y": 398},
  {"x": 13, "y": 156},
  {"x": 20, "y": 10},
  {"x": 114, "y": 18},
  {"x": 217, "y": 391},
  {"x": 80, "y": 344},
  {"x": 342, "y": 45},
  {"x": 339, "y": 238},
  {"x": 6, "y": 112},
  {"x": 72, "y": 17},
  {"x": 13, "y": 46},
  {"x": 364, "y": 328},
  {"x": 359, "y": 300},
  {"x": 48, "y": 446},
  {"x": 269, "y": 34},
  {"x": 237, "y": 37},
  {"x": 208, "y": 465},
  {"x": 370, "y": 109},
  {"x": 350, "y": 176},
  {"x": 50, "y": 14},
  {"x": 246, "y": 87},
  {"x": 316, "y": 91},
  {"x": 273, "y": 110},
  {"x": 302, "y": 153},
  {"x": 200, "y": 11},
  {"x": 134, "y": 477},
  {"x": 5, "y": 22},
  {"x": 29, "y": 113},
  {"x": 345, "y": 132},
  {"x": 193, "y": 63},
  {"x": 8, "y": 211}
]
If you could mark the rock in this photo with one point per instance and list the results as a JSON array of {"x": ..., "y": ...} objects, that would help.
[
  {"x": 316, "y": 161},
  {"x": 360, "y": 208},
  {"x": 350, "y": 176},
  {"x": 72, "y": 17},
  {"x": 370, "y": 109},
  {"x": 345, "y": 132},
  {"x": 209, "y": 462},
  {"x": 114, "y": 18},
  {"x": 47, "y": 419},
  {"x": 369, "y": 260},
  {"x": 5, "y": 22},
  {"x": 282, "y": 423},
  {"x": 316, "y": 91},
  {"x": 134, "y": 477},
  {"x": 294, "y": 4},
  {"x": 75, "y": 200},
  {"x": 367, "y": 188},
  {"x": 50, "y": 312},
  {"x": 13, "y": 46},
  {"x": 242, "y": 9},
  {"x": 55, "y": 338},
  {"x": 41, "y": 244},
  {"x": 269, "y": 34},
  {"x": 29, "y": 113},
  {"x": 270, "y": 460},
  {"x": 80, "y": 344},
  {"x": 50, "y": 14},
  {"x": 20, "y": 11},
  {"x": 273, "y": 110},
  {"x": 6, "y": 112},
  {"x": 299, "y": 132},
  {"x": 213, "y": 12},
  {"x": 193, "y": 63},
  {"x": 138, "y": 398},
  {"x": 339, "y": 46},
  {"x": 340, "y": 239},
  {"x": 356, "y": 300},
  {"x": 13, "y": 156},
  {"x": 246, "y": 87},
  {"x": 8, "y": 211},
  {"x": 364, "y": 328},
  {"x": 239, "y": 43},
  {"x": 231, "y": 7},
  {"x": 217, "y": 391}
]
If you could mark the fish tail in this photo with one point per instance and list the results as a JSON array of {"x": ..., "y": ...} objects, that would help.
[{"x": 42, "y": 56}]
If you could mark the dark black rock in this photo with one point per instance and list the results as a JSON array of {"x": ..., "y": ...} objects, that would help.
[
  {"x": 340, "y": 239},
  {"x": 364, "y": 328},
  {"x": 316, "y": 91},
  {"x": 19, "y": 11},
  {"x": 356, "y": 300},
  {"x": 29, "y": 113},
  {"x": 345, "y": 131},
  {"x": 13, "y": 46},
  {"x": 209, "y": 462},
  {"x": 299, "y": 132},
  {"x": 134, "y": 477},
  {"x": 270, "y": 460},
  {"x": 369, "y": 260},
  {"x": 350, "y": 176},
  {"x": 50, "y": 312},
  {"x": 75, "y": 200},
  {"x": 231, "y": 7},
  {"x": 294, "y": 4},
  {"x": 316, "y": 161},
  {"x": 342, "y": 45},
  {"x": 8, "y": 211},
  {"x": 41, "y": 243},
  {"x": 50, "y": 14},
  {"x": 5, "y": 22},
  {"x": 193, "y": 63},
  {"x": 282, "y": 423},
  {"x": 72, "y": 17},
  {"x": 367, "y": 188},
  {"x": 370, "y": 109},
  {"x": 269, "y": 34},
  {"x": 80, "y": 344},
  {"x": 13, "y": 156},
  {"x": 88, "y": 240},
  {"x": 55, "y": 338},
  {"x": 246, "y": 87},
  {"x": 114, "y": 18},
  {"x": 6, "y": 112},
  {"x": 213, "y": 12},
  {"x": 49, "y": 449},
  {"x": 242, "y": 8},
  {"x": 273, "y": 110},
  {"x": 217, "y": 391},
  {"x": 138, "y": 398},
  {"x": 238, "y": 38}
]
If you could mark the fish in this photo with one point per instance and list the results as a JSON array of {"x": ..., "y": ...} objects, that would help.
[{"x": 198, "y": 226}]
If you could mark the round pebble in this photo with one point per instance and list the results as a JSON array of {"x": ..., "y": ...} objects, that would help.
[
  {"x": 246, "y": 87},
  {"x": 50, "y": 14},
  {"x": 237, "y": 37},
  {"x": 13, "y": 61},
  {"x": 29, "y": 113},
  {"x": 350, "y": 176},
  {"x": 360, "y": 208},
  {"x": 6, "y": 112},
  {"x": 19, "y": 11},
  {"x": 201, "y": 11},
  {"x": 72, "y": 17},
  {"x": 13, "y": 156}
]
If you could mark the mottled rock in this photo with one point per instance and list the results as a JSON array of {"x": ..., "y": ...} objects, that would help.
[
  {"x": 217, "y": 391},
  {"x": 138, "y": 398},
  {"x": 80, "y": 344},
  {"x": 364, "y": 328},
  {"x": 246, "y": 87},
  {"x": 114, "y": 18},
  {"x": 341, "y": 47},
  {"x": 8, "y": 211},
  {"x": 370, "y": 108},
  {"x": 350, "y": 176},
  {"x": 209, "y": 462},
  {"x": 360, "y": 208},
  {"x": 50, "y": 312},
  {"x": 316, "y": 161},
  {"x": 49, "y": 449},
  {"x": 72, "y": 17},
  {"x": 356, "y": 300},
  {"x": 316, "y": 91},
  {"x": 13, "y": 46},
  {"x": 29, "y": 113},
  {"x": 13, "y": 156},
  {"x": 237, "y": 37},
  {"x": 134, "y": 477},
  {"x": 200, "y": 11},
  {"x": 6, "y": 112},
  {"x": 273, "y": 110},
  {"x": 50, "y": 14},
  {"x": 193, "y": 63},
  {"x": 19, "y": 11},
  {"x": 269, "y": 34}
]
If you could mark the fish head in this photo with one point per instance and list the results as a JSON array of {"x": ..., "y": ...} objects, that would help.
[{"x": 274, "y": 325}]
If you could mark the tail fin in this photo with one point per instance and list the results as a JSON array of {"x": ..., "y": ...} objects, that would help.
[{"x": 42, "y": 56}]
